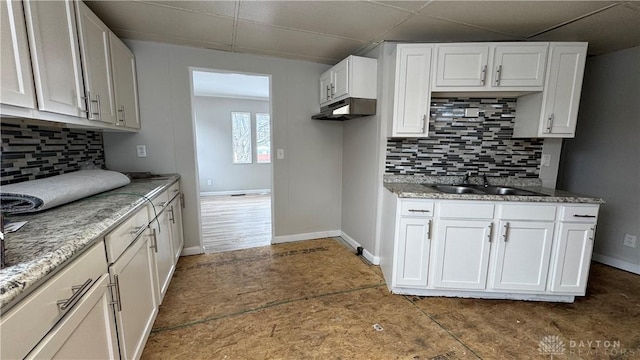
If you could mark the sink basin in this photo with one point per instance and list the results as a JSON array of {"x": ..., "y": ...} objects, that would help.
[
  {"x": 458, "y": 189},
  {"x": 505, "y": 190}
]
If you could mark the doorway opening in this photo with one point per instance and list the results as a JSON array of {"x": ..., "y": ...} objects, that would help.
[{"x": 232, "y": 122}]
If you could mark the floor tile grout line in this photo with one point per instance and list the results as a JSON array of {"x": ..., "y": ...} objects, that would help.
[
  {"x": 442, "y": 327},
  {"x": 262, "y": 307}
]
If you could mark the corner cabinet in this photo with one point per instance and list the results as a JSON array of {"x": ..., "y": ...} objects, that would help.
[
  {"x": 16, "y": 87},
  {"x": 553, "y": 113},
  {"x": 125, "y": 87},
  {"x": 485, "y": 249},
  {"x": 411, "y": 68},
  {"x": 354, "y": 76}
]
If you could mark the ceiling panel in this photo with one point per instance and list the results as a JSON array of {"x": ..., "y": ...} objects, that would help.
[
  {"x": 124, "y": 34},
  {"x": 424, "y": 28},
  {"x": 152, "y": 19},
  {"x": 613, "y": 29},
  {"x": 352, "y": 19},
  {"x": 520, "y": 18},
  {"x": 407, "y": 5},
  {"x": 279, "y": 40},
  {"x": 218, "y": 7}
]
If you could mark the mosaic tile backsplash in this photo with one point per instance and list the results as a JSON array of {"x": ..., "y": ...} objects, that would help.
[
  {"x": 457, "y": 145},
  {"x": 32, "y": 152}
]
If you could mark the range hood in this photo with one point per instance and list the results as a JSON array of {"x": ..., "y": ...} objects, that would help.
[{"x": 349, "y": 108}]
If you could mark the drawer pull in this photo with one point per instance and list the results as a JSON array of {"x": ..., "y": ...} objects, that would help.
[
  {"x": 78, "y": 291},
  {"x": 137, "y": 230},
  {"x": 429, "y": 230},
  {"x": 115, "y": 285},
  {"x": 164, "y": 204},
  {"x": 182, "y": 200},
  {"x": 172, "y": 217},
  {"x": 419, "y": 211},
  {"x": 583, "y": 216},
  {"x": 154, "y": 245},
  {"x": 506, "y": 231}
]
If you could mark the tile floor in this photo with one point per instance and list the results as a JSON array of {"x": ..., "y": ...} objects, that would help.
[{"x": 316, "y": 300}]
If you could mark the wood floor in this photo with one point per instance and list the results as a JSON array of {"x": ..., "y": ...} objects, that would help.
[
  {"x": 235, "y": 222},
  {"x": 317, "y": 300}
]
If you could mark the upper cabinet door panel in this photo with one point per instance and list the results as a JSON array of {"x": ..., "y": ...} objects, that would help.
[
  {"x": 518, "y": 65},
  {"x": 96, "y": 64},
  {"x": 340, "y": 84},
  {"x": 124, "y": 83},
  {"x": 325, "y": 87},
  {"x": 51, "y": 26},
  {"x": 461, "y": 65},
  {"x": 16, "y": 87}
]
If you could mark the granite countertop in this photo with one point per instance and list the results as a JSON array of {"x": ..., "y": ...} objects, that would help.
[
  {"x": 417, "y": 186},
  {"x": 53, "y": 238}
]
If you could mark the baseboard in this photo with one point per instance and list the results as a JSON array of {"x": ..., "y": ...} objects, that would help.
[
  {"x": 235, "y": 192},
  {"x": 617, "y": 263},
  {"x": 375, "y": 260},
  {"x": 193, "y": 250},
  {"x": 306, "y": 236}
]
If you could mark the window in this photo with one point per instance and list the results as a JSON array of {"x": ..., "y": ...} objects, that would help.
[
  {"x": 241, "y": 137},
  {"x": 263, "y": 138}
]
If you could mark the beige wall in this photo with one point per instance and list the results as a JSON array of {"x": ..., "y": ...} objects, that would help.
[{"x": 306, "y": 184}]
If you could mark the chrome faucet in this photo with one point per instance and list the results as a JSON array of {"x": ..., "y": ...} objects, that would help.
[
  {"x": 465, "y": 179},
  {"x": 485, "y": 181}
]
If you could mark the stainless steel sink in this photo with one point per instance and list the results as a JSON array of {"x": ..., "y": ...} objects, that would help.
[
  {"x": 505, "y": 190},
  {"x": 458, "y": 189}
]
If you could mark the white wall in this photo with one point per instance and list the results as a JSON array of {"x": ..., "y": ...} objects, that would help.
[
  {"x": 215, "y": 151},
  {"x": 306, "y": 184},
  {"x": 604, "y": 158}
]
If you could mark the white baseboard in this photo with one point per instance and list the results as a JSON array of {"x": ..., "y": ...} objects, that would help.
[
  {"x": 617, "y": 263},
  {"x": 193, "y": 250},
  {"x": 235, "y": 192},
  {"x": 375, "y": 260},
  {"x": 306, "y": 236}
]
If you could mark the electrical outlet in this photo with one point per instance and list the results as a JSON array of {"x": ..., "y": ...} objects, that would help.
[
  {"x": 280, "y": 154},
  {"x": 630, "y": 240},
  {"x": 209, "y": 182},
  {"x": 141, "y": 150},
  {"x": 546, "y": 159}
]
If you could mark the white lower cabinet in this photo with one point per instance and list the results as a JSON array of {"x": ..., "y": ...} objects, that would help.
[
  {"x": 163, "y": 248},
  {"x": 88, "y": 332},
  {"x": 134, "y": 276},
  {"x": 461, "y": 254},
  {"x": 522, "y": 255},
  {"x": 177, "y": 237},
  {"x": 488, "y": 249}
]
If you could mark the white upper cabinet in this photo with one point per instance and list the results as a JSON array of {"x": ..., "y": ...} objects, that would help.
[
  {"x": 55, "y": 57},
  {"x": 354, "y": 76},
  {"x": 16, "y": 87},
  {"x": 125, "y": 86},
  {"x": 96, "y": 65},
  {"x": 554, "y": 111},
  {"x": 469, "y": 67},
  {"x": 411, "y": 69}
]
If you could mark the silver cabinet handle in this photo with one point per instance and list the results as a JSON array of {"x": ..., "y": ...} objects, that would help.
[
  {"x": 154, "y": 245},
  {"x": 328, "y": 92},
  {"x": 121, "y": 111},
  {"x": 490, "y": 231},
  {"x": 77, "y": 291},
  {"x": 182, "y": 201},
  {"x": 115, "y": 285},
  {"x": 498, "y": 73},
  {"x": 171, "y": 216},
  {"x": 424, "y": 122},
  {"x": 483, "y": 75},
  {"x": 429, "y": 230},
  {"x": 593, "y": 233},
  {"x": 164, "y": 204},
  {"x": 99, "y": 111},
  {"x": 333, "y": 90},
  {"x": 583, "y": 216},
  {"x": 419, "y": 211},
  {"x": 124, "y": 113},
  {"x": 137, "y": 230},
  {"x": 549, "y": 123},
  {"x": 506, "y": 231}
]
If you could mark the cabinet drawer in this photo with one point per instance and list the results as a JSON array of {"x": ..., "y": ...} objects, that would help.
[
  {"x": 585, "y": 213},
  {"x": 528, "y": 212},
  {"x": 159, "y": 203},
  {"x": 30, "y": 320},
  {"x": 465, "y": 210},
  {"x": 416, "y": 208},
  {"x": 119, "y": 239}
]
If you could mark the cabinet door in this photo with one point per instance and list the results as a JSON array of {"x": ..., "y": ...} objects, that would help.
[
  {"x": 325, "y": 87},
  {"x": 414, "y": 241},
  {"x": 412, "y": 93},
  {"x": 340, "y": 83},
  {"x": 572, "y": 258},
  {"x": 519, "y": 66},
  {"x": 96, "y": 64},
  {"x": 55, "y": 56},
  {"x": 16, "y": 87},
  {"x": 461, "y": 254},
  {"x": 87, "y": 332},
  {"x": 461, "y": 65},
  {"x": 163, "y": 248},
  {"x": 561, "y": 96},
  {"x": 523, "y": 252},
  {"x": 135, "y": 279},
  {"x": 175, "y": 211},
  {"x": 125, "y": 86}
]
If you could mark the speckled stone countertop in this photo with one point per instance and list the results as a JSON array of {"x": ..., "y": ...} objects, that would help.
[
  {"x": 53, "y": 238},
  {"x": 417, "y": 186}
]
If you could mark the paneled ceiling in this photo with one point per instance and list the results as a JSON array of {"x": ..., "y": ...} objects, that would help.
[{"x": 328, "y": 31}]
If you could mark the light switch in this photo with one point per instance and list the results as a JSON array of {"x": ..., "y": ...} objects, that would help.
[
  {"x": 280, "y": 154},
  {"x": 141, "y": 150},
  {"x": 546, "y": 159}
]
